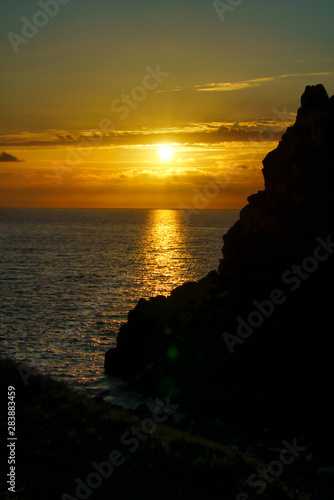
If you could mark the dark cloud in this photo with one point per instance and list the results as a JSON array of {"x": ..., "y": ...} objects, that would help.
[
  {"x": 212, "y": 134},
  {"x": 7, "y": 157}
]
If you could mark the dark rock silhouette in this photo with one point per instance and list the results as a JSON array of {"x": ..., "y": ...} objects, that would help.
[
  {"x": 281, "y": 222},
  {"x": 254, "y": 339},
  {"x": 6, "y": 157}
]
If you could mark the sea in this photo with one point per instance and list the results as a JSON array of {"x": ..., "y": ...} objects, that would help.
[{"x": 69, "y": 277}]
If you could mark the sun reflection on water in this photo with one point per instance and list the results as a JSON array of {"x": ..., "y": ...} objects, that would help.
[{"x": 164, "y": 251}]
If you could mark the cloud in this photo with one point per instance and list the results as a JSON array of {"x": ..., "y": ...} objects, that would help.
[
  {"x": 190, "y": 134},
  {"x": 228, "y": 86},
  {"x": 224, "y": 87},
  {"x": 6, "y": 157},
  {"x": 232, "y": 86}
]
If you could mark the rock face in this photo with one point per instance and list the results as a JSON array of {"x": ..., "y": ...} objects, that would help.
[
  {"x": 259, "y": 330},
  {"x": 296, "y": 206}
]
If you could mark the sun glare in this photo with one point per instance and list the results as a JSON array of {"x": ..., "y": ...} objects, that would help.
[{"x": 166, "y": 153}]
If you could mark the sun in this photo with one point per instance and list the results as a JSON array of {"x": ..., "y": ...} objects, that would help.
[{"x": 166, "y": 153}]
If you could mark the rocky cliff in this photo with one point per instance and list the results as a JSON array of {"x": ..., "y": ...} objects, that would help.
[
  {"x": 257, "y": 333},
  {"x": 281, "y": 222}
]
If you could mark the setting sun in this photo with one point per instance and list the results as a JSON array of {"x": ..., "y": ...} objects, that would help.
[{"x": 166, "y": 153}]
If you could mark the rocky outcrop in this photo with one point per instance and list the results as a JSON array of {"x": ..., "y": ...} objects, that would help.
[
  {"x": 259, "y": 329},
  {"x": 280, "y": 224}
]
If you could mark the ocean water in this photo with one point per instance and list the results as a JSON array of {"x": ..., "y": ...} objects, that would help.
[{"x": 70, "y": 276}]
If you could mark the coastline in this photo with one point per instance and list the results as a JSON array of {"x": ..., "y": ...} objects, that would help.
[{"x": 62, "y": 434}]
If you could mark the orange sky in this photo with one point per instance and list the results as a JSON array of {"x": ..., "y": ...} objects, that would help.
[
  {"x": 90, "y": 97},
  {"x": 196, "y": 176}
]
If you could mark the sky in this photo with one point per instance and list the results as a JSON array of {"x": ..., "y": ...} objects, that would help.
[{"x": 92, "y": 90}]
